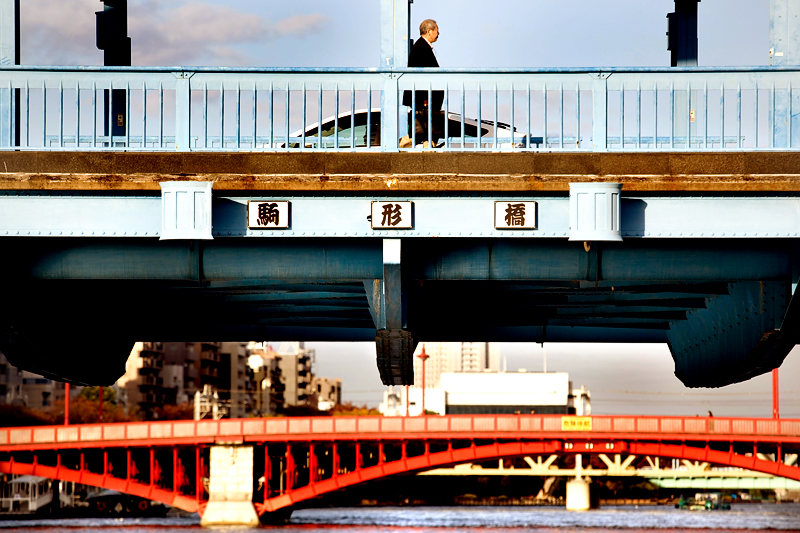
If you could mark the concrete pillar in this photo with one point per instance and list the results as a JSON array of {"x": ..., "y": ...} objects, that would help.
[
  {"x": 578, "y": 495},
  {"x": 230, "y": 488}
]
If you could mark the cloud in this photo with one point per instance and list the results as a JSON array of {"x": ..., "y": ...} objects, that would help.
[{"x": 171, "y": 33}]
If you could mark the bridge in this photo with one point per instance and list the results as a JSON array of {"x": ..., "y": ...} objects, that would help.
[
  {"x": 191, "y": 465},
  {"x": 582, "y": 205}
]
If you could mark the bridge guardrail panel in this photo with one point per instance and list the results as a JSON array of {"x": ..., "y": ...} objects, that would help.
[
  {"x": 207, "y": 429},
  {"x": 790, "y": 427},
  {"x": 114, "y": 432},
  {"x": 696, "y": 425},
  {"x": 367, "y": 425},
  {"x": 719, "y": 425},
  {"x": 345, "y": 425},
  {"x": 392, "y": 425},
  {"x": 414, "y": 425},
  {"x": 138, "y": 431},
  {"x": 297, "y": 426},
  {"x": 276, "y": 426},
  {"x": 91, "y": 433},
  {"x": 672, "y": 425},
  {"x": 4, "y": 436},
  {"x": 627, "y": 425},
  {"x": 461, "y": 424},
  {"x": 508, "y": 423},
  {"x": 230, "y": 427},
  {"x": 483, "y": 424},
  {"x": 44, "y": 435},
  {"x": 322, "y": 425},
  {"x": 648, "y": 425},
  {"x": 530, "y": 423},
  {"x": 743, "y": 427},
  {"x": 68, "y": 434},
  {"x": 551, "y": 423},
  {"x": 161, "y": 430},
  {"x": 183, "y": 429},
  {"x": 20, "y": 436},
  {"x": 437, "y": 423},
  {"x": 601, "y": 424}
]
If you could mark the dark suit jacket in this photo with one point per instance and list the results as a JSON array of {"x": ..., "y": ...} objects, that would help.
[{"x": 422, "y": 56}]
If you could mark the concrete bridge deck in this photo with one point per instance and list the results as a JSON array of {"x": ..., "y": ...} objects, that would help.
[{"x": 424, "y": 172}]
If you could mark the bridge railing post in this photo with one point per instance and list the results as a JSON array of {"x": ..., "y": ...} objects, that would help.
[
  {"x": 183, "y": 112},
  {"x": 600, "y": 112},
  {"x": 390, "y": 132}
]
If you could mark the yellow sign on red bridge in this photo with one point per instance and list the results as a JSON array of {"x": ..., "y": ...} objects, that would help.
[{"x": 576, "y": 423}]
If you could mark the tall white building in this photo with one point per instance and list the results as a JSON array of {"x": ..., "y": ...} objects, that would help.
[{"x": 446, "y": 357}]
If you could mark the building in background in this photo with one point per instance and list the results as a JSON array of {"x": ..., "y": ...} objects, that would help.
[
  {"x": 296, "y": 362},
  {"x": 455, "y": 357},
  {"x": 185, "y": 355},
  {"x": 235, "y": 378},
  {"x": 268, "y": 386},
  {"x": 143, "y": 381},
  {"x": 39, "y": 392},
  {"x": 463, "y": 393},
  {"x": 328, "y": 392},
  {"x": 10, "y": 383}
]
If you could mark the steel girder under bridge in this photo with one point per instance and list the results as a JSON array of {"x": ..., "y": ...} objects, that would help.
[
  {"x": 92, "y": 270},
  {"x": 303, "y": 458}
]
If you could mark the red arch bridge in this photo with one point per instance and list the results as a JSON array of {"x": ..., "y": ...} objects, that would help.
[{"x": 296, "y": 459}]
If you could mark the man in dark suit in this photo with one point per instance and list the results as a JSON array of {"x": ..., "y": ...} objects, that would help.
[{"x": 422, "y": 55}]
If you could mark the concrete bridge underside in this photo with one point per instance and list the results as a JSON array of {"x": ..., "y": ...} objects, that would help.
[{"x": 73, "y": 305}]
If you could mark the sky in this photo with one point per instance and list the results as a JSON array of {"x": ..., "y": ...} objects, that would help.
[{"x": 635, "y": 379}]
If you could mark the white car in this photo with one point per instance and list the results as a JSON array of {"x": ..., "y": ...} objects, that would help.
[{"x": 348, "y": 134}]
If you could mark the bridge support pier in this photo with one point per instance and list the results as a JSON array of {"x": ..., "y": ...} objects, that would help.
[
  {"x": 579, "y": 495},
  {"x": 230, "y": 488}
]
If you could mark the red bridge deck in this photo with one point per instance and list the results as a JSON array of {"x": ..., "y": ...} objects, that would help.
[{"x": 301, "y": 458}]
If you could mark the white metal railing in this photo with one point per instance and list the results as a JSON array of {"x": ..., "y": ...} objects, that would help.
[{"x": 219, "y": 109}]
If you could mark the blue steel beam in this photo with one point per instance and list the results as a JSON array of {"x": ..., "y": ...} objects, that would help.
[
  {"x": 76, "y": 215},
  {"x": 356, "y": 260},
  {"x": 729, "y": 341}
]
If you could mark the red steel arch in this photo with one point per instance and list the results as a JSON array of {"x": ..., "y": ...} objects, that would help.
[{"x": 302, "y": 458}]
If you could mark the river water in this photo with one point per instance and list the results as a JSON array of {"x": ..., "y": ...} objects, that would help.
[{"x": 741, "y": 518}]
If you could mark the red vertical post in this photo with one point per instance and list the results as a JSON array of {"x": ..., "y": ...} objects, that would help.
[
  {"x": 775, "y": 395},
  {"x": 129, "y": 467},
  {"x": 358, "y": 456},
  {"x": 198, "y": 475},
  {"x": 175, "y": 474},
  {"x": 105, "y": 463},
  {"x": 289, "y": 468},
  {"x": 424, "y": 358},
  {"x": 101, "y": 405},
  {"x": 407, "y": 400},
  {"x": 312, "y": 464},
  {"x": 267, "y": 472},
  {"x": 66, "y": 404},
  {"x": 381, "y": 459},
  {"x": 152, "y": 466},
  {"x": 335, "y": 460}
]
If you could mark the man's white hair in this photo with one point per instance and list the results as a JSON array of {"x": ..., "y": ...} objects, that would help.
[{"x": 427, "y": 25}]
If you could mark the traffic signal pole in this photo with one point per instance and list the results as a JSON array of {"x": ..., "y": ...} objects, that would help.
[{"x": 113, "y": 40}]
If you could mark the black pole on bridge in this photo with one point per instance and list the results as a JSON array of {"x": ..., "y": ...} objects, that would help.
[
  {"x": 682, "y": 33},
  {"x": 113, "y": 40}
]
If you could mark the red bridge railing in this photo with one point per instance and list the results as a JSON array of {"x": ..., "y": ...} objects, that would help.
[{"x": 290, "y": 429}]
